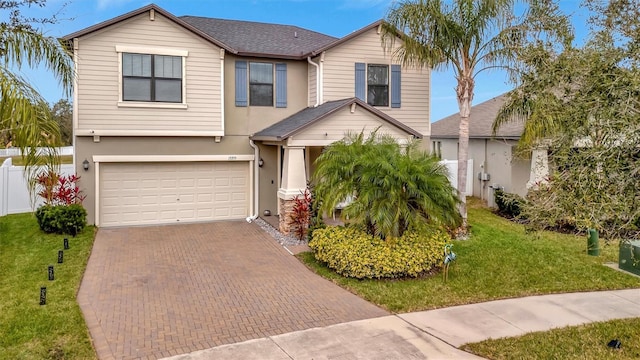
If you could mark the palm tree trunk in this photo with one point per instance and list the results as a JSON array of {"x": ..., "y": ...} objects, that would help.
[{"x": 464, "y": 91}]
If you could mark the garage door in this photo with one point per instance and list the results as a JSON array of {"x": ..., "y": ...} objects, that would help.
[{"x": 165, "y": 193}]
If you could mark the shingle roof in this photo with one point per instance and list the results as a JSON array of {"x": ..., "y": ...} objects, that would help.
[
  {"x": 244, "y": 38},
  {"x": 254, "y": 38},
  {"x": 480, "y": 123},
  {"x": 306, "y": 117}
]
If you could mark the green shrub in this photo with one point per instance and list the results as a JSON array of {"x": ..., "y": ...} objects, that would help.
[
  {"x": 509, "y": 205},
  {"x": 354, "y": 253},
  {"x": 62, "y": 219}
]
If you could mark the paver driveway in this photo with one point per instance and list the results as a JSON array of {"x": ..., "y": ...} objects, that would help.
[{"x": 151, "y": 292}]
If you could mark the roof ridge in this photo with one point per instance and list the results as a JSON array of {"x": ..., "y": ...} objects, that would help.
[{"x": 255, "y": 22}]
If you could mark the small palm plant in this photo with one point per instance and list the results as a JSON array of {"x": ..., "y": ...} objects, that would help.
[{"x": 392, "y": 187}]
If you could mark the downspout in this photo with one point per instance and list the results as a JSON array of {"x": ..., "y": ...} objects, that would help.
[
  {"x": 317, "y": 81},
  {"x": 75, "y": 101},
  {"x": 256, "y": 184},
  {"x": 321, "y": 81},
  {"x": 222, "y": 99}
]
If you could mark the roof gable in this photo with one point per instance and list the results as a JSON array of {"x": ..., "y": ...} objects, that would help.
[
  {"x": 312, "y": 115},
  {"x": 153, "y": 10},
  {"x": 480, "y": 123}
]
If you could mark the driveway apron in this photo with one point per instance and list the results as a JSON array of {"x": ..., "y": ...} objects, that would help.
[{"x": 153, "y": 292}]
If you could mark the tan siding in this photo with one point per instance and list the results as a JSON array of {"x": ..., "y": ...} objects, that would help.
[
  {"x": 98, "y": 79},
  {"x": 335, "y": 127},
  {"x": 312, "y": 85},
  {"x": 339, "y": 79}
]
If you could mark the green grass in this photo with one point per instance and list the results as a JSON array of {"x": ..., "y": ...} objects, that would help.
[
  {"x": 576, "y": 342},
  {"x": 27, "y": 330},
  {"x": 18, "y": 161},
  {"x": 499, "y": 261}
]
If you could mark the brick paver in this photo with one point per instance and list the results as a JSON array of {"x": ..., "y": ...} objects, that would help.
[{"x": 152, "y": 292}]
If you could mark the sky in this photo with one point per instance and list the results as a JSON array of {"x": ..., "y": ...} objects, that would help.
[{"x": 336, "y": 18}]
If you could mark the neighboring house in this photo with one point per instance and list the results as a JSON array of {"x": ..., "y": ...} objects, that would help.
[
  {"x": 187, "y": 119},
  {"x": 494, "y": 157}
]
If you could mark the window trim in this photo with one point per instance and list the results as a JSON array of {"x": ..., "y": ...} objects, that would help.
[
  {"x": 121, "y": 49},
  {"x": 279, "y": 85},
  {"x": 388, "y": 85},
  {"x": 394, "y": 83},
  {"x": 273, "y": 82}
]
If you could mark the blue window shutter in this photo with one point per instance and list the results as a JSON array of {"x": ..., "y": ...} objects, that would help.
[
  {"x": 281, "y": 85},
  {"x": 241, "y": 83},
  {"x": 361, "y": 81},
  {"x": 396, "y": 81}
]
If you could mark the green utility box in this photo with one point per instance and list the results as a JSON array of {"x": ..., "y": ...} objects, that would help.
[
  {"x": 629, "y": 258},
  {"x": 593, "y": 246}
]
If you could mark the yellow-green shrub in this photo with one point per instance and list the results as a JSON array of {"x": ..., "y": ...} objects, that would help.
[{"x": 354, "y": 253}]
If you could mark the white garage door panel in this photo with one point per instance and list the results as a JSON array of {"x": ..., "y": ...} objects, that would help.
[{"x": 161, "y": 193}]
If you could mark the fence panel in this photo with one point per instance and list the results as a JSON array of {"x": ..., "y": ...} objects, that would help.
[
  {"x": 452, "y": 167},
  {"x": 14, "y": 190},
  {"x": 65, "y": 150}
]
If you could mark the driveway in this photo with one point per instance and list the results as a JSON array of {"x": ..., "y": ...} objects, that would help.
[{"x": 152, "y": 292}]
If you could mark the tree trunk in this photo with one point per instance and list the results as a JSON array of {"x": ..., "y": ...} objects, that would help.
[{"x": 464, "y": 92}]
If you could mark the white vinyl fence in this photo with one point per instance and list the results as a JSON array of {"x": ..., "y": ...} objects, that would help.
[
  {"x": 14, "y": 192},
  {"x": 66, "y": 150},
  {"x": 452, "y": 166}
]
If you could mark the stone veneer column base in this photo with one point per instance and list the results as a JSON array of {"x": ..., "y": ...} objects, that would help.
[{"x": 286, "y": 208}]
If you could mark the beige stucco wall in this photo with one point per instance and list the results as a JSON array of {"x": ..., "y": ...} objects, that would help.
[
  {"x": 268, "y": 175},
  {"x": 251, "y": 119},
  {"x": 86, "y": 148},
  {"x": 99, "y": 81},
  {"x": 499, "y": 162},
  {"x": 339, "y": 79}
]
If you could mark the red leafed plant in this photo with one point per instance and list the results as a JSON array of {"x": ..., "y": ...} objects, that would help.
[
  {"x": 301, "y": 214},
  {"x": 59, "y": 190}
]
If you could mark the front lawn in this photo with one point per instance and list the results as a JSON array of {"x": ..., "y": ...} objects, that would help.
[
  {"x": 28, "y": 330},
  {"x": 499, "y": 261},
  {"x": 576, "y": 342}
]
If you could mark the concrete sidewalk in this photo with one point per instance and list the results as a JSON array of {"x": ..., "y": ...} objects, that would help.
[{"x": 434, "y": 334}]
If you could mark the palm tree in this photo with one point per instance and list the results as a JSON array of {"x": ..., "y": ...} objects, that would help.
[
  {"x": 392, "y": 187},
  {"x": 468, "y": 35},
  {"x": 24, "y": 113}
]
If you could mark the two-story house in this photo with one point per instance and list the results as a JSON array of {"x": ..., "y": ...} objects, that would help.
[{"x": 187, "y": 119}]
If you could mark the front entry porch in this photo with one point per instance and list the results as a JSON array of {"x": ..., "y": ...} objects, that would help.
[{"x": 300, "y": 138}]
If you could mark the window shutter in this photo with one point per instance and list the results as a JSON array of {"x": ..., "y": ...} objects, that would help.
[
  {"x": 396, "y": 81},
  {"x": 281, "y": 85},
  {"x": 361, "y": 81},
  {"x": 241, "y": 83}
]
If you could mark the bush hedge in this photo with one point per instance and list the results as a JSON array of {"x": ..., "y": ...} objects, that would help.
[
  {"x": 509, "y": 205},
  {"x": 354, "y": 253},
  {"x": 62, "y": 219}
]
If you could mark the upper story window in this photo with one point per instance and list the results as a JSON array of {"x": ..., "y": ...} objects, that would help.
[
  {"x": 260, "y": 84},
  {"x": 152, "y": 78},
  {"x": 378, "y": 84}
]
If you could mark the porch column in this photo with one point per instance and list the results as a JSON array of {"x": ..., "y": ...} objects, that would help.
[
  {"x": 294, "y": 182},
  {"x": 539, "y": 167}
]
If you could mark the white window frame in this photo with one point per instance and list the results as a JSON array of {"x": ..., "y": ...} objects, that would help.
[
  {"x": 120, "y": 49},
  {"x": 388, "y": 85}
]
